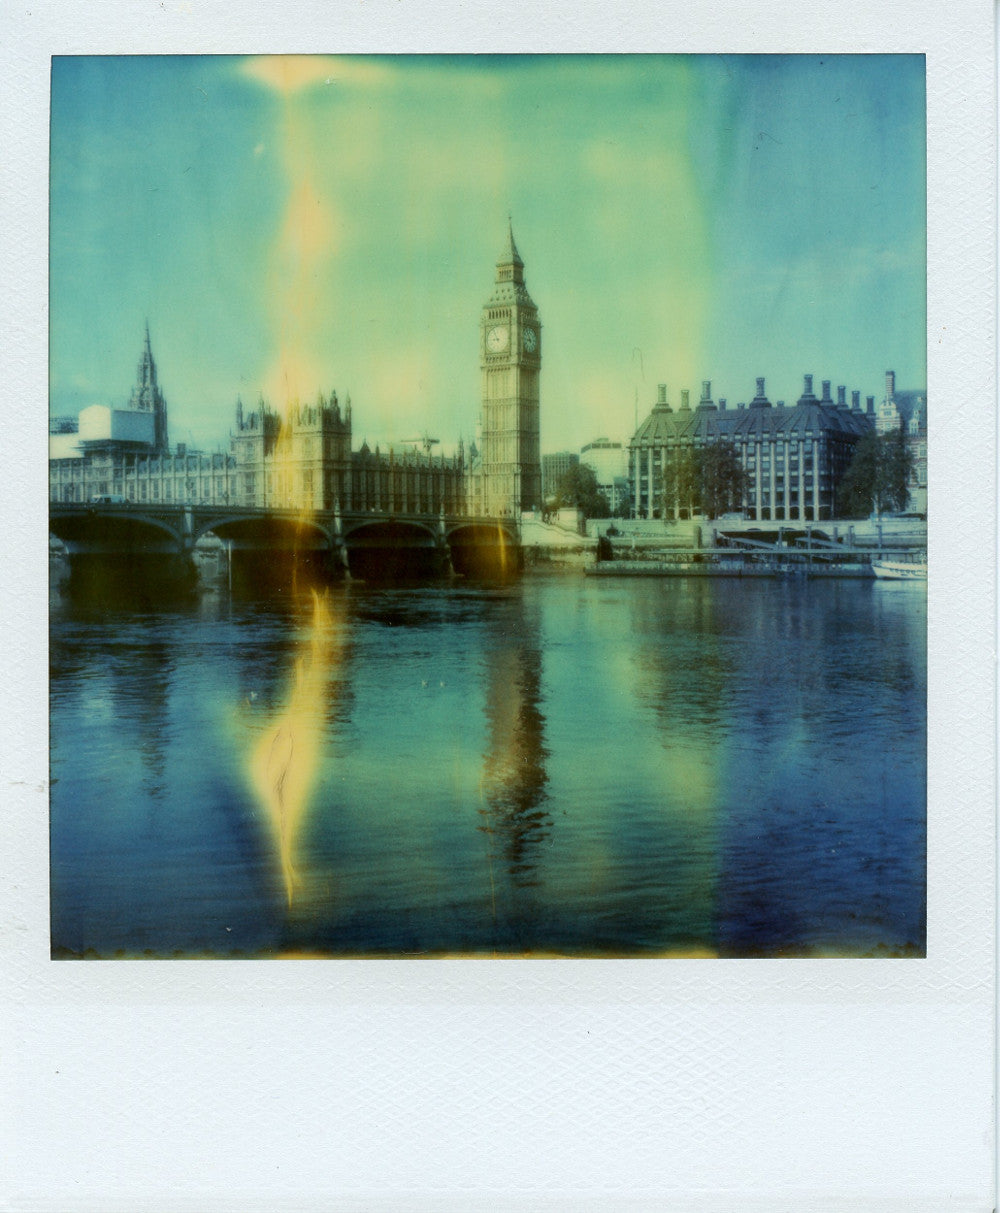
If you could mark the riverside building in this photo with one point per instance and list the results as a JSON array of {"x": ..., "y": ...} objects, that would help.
[
  {"x": 794, "y": 457},
  {"x": 608, "y": 460},
  {"x": 303, "y": 460},
  {"x": 123, "y": 454},
  {"x": 299, "y": 459},
  {"x": 907, "y": 409},
  {"x": 554, "y": 467}
]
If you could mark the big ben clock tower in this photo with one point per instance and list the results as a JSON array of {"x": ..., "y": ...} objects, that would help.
[{"x": 511, "y": 358}]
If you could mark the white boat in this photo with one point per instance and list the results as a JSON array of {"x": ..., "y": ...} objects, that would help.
[{"x": 901, "y": 570}]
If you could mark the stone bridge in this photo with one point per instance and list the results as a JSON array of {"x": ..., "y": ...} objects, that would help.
[{"x": 156, "y": 542}]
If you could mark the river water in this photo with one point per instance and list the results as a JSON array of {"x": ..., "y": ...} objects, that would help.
[{"x": 559, "y": 765}]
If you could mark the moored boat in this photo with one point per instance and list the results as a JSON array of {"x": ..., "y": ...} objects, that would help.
[{"x": 901, "y": 570}]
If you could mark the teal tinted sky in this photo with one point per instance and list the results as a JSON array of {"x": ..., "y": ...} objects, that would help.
[{"x": 290, "y": 226}]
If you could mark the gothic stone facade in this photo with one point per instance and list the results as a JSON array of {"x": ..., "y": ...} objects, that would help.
[
  {"x": 303, "y": 460},
  {"x": 511, "y": 359},
  {"x": 300, "y": 460}
]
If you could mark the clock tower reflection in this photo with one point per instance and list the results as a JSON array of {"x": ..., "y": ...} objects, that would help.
[{"x": 515, "y": 815}]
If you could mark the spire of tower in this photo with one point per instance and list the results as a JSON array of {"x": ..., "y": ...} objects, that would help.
[
  {"x": 146, "y": 375},
  {"x": 510, "y": 255},
  {"x": 146, "y": 395}
]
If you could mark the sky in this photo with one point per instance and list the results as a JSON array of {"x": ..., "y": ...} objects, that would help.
[{"x": 290, "y": 225}]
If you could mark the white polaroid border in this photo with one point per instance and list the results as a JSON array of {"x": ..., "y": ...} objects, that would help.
[{"x": 680, "y": 1085}]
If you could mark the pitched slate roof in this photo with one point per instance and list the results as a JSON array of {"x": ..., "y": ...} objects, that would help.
[{"x": 759, "y": 419}]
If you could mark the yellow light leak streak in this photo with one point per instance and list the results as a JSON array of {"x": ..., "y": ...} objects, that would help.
[
  {"x": 502, "y": 537},
  {"x": 284, "y": 762},
  {"x": 283, "y": 765}
]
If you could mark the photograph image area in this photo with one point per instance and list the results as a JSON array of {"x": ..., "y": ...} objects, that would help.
[{"x": 488, "y": 506}]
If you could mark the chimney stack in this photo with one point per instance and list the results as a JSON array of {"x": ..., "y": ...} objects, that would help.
[
  {"x": 760, "y": 387},
  {"x": 807, "y": 389},
  {"x": 685, "y": 398},
  {"x": 661, "y": 393},
  {"x": 842, "y": 397},
  {"x": 890, "y": 385},
  {"x": 706, "y": 391},
  {"x": 855, "y": 402},
  {"x": 827, "y": 399},
  {"x": 871, "y": 404},
  {"x": 722, "y": 403}
]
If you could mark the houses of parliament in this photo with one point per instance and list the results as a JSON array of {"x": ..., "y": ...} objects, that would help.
[{"x": 303, "y": 458}]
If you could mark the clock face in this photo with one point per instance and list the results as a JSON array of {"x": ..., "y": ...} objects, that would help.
[
  {"x": 530, "y": 340},
  {"x": 496, "y": 340}
]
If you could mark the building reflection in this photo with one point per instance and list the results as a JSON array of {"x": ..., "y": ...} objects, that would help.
[
  {"x": 686, "y": 687},
  {"x": 515, "y": 816},
  {"x": 139, "y": 682},
  {"x": 761, "y": 777}
]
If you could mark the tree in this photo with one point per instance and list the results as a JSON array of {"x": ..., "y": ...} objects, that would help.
[
  {"x": 877, "y": 478},
  {"x": 722, "y": 479},
  {"x": 624, "y": 507},
  {"x": 679, "y": 480},
  {"x": 708, "y": 479},
  {"x": 577, "y": 487}
]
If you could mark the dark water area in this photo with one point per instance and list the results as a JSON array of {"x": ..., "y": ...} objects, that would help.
[{"x": 551, "y": 766}]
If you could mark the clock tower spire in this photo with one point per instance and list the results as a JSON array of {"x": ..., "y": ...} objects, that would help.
[{"x": 510, "y": 359}]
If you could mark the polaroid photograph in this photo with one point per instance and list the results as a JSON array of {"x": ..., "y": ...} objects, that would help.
[{"x": 512, "y": 536}]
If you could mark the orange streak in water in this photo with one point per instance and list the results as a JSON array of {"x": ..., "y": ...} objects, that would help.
[
  {"x": 502, "y": 536},
  {"x": 285, "y": 761}
]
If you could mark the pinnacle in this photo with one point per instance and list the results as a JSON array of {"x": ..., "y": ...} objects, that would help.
[{"x": 510, "y": 255}]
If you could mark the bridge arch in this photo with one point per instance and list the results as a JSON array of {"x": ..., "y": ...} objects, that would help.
[
  {"x": 483, "y": 548},
  {"x": 270, "y": 532},
  {"x": 483, "y": 530},
  {"x": 391, "y": 548},
  {"x": 111, "y": 528},
  {"x": 388, "y": 532}
]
